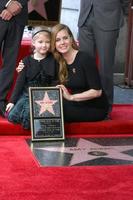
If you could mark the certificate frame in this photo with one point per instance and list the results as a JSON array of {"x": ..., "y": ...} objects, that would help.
[{"x": 46, "y": 113}]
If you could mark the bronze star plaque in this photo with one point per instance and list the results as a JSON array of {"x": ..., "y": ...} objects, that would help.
[{"x": 46, "y": 113}]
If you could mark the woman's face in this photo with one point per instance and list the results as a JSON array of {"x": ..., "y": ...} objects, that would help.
[{"x": 63, "y": 42}]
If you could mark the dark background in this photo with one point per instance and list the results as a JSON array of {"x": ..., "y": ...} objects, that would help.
[{"x": 53, "y": 13}]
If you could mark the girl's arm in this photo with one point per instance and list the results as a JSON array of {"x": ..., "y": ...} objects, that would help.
[{"x": 20, "y": 83}]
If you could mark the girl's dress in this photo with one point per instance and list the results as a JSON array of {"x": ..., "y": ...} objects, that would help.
[{"x": 35, "y": 74}]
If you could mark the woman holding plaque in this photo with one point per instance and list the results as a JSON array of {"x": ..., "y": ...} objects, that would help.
[{"x": 84, "y": 98}]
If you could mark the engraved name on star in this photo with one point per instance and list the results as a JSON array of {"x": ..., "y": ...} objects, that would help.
[
  {"x": 46, "y": 104},
  {"x": 38, "y": 6},
  {"x": 87, "y": 150}
]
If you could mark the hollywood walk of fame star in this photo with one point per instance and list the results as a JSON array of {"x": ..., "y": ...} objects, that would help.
[
  {"x": 87, "y": 150},
  {"x": 46, "y": 104},
  {"x": 39, "y": 8}
]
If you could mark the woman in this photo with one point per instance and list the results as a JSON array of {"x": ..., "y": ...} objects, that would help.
[{"x": 84, "y": 99}]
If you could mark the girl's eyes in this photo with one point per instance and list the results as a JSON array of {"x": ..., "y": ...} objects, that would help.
[
  {"x": 47, "y": 42},
  {"x": 44, "y": 42}
]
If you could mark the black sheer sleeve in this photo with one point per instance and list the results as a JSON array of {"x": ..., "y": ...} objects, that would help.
[{"x": 91, "y": 71}]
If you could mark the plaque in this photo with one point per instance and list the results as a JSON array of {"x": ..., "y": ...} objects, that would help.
[{"x": 46, "y": 113}]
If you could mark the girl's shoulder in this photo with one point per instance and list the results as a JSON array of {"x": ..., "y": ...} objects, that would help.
[
  {"x": 50, "y": 56},
  {"x": 50, "y": 59},
  {"x": 27, "y": 58}
]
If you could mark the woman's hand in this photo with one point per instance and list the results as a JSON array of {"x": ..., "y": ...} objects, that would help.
[
  {"x": 20, "y": 66},
  {"x": 9, "y": 107},
  {"x": 65, "y": 93},
  {"x": 83, "y": 96}
]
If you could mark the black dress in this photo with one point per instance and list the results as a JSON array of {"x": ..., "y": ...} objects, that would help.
[
  {"x": 83, "y": 75},
  {"x": 35, "y": 74}
]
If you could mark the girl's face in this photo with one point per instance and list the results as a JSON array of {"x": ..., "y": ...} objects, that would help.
[
  {"x": 63, "y": 42},
  {"x": 41, "y": 43}
]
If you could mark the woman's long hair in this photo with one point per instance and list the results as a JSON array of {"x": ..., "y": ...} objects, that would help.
[{"x": 63, "y": 72}]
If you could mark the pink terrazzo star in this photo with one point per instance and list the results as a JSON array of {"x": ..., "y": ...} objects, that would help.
[
  {"x": 39, "y": 8},
  {"x": 46, "y": 104}
]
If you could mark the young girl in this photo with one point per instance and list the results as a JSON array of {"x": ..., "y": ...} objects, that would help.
[{"x": 40, "y": 70}]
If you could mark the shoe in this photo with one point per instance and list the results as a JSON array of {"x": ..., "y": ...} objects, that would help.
[
  {"x": 107, "y": 118},
  {"x": 2, "y": 109}
]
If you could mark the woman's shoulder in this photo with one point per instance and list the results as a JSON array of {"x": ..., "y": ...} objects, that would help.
[
  {"x": 85, "y": 55},
  {"x": 85, "y": 58}
]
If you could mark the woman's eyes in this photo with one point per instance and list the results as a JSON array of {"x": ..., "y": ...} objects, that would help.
[{"x": 64, "y": 38}]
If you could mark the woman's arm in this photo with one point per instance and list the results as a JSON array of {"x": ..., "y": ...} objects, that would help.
[
  {"x": 87, "y": 95},
  {"x": 83, "y": 96}
]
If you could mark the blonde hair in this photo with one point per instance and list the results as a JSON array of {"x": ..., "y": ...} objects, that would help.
[
  {"x": 40, "y": 29},
  {"x": 63, "y": 72},
  {"x": 37, "y": 31}
]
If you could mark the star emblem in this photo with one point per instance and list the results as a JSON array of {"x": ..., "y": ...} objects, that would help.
[
  {"x": 87, "y": 150},
  {"x": 38, "y": 7},
  {"x": 46, "y": 104}
]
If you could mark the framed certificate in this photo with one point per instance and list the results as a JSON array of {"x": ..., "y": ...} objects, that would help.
[{"x": 46, "y": 113}]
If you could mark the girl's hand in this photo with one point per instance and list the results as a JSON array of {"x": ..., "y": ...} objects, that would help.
[
  {"x": 20, "y": 66},
  {"x": 65, "y": 93},
  {"x": 9, "y": 107}
]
